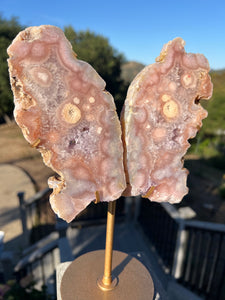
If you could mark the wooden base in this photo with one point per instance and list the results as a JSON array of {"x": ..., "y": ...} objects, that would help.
[{"x": 81, "y": 279}]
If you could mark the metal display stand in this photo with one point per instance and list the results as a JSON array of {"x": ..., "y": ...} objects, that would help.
[{"x": 124, "y": 277}]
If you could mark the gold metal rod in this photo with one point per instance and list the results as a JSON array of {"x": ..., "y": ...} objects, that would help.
[{"x": 107, "y": 277}]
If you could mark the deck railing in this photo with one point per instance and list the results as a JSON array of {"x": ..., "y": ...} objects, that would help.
[
  {"x": 97, "y": 213},
  {"x": 39, "y": 264},
  {"x": 36, "y": 211},
  {"x": 193, "y": 252},
  {"x": 37, "y": 218},
  {"x": 39, "y": 261},
  {"x": 202, "y": 268}
]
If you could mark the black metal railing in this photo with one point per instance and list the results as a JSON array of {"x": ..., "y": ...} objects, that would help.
[
  {"x": 37, "y": 218},
  {"x": 37, "y": 214},
  {"x": 97, "y": 213},
  {"x": 38, "y": 261},
  {"x": 203, "y": 267},
  {"x": 161, "y": 229},
  {"x": 193, "y": 252}
]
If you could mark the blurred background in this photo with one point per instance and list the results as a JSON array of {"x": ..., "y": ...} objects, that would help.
[{"x": 118, "y": 39}]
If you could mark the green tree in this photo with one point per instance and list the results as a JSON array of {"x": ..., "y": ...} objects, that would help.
[
  {"x": 96, "y": 50},
  {"x": 8, "y": 30}
]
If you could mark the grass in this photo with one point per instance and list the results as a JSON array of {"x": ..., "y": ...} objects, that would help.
[
  {"x": 17, "y": 151},
  {"x": 13, "y": 145}
]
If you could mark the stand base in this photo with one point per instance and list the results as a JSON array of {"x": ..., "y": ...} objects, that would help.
[{"x": 79, "y": 281}]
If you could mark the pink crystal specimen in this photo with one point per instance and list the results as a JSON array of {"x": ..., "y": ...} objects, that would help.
[
  {"x": 64, "y": 111},
  {"x": 161, "y": 113}
]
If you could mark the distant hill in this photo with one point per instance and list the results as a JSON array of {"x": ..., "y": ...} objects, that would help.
[{"x": 130, "y": 70}]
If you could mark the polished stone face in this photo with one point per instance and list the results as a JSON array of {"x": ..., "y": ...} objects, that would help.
[
  {"x": 161, "y": 113},
  {"x": 64, "y": 111}
]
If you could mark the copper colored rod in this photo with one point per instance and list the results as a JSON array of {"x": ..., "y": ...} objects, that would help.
[{"x": 107, "y": 277}]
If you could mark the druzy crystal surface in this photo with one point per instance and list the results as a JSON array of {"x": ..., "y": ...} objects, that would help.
[
  {"x": 64, "y": 111},
  {"x": 161, "y": 112}
]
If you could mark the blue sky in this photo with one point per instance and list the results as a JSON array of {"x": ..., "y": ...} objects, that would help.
[{"x": 138, "y": 29}]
